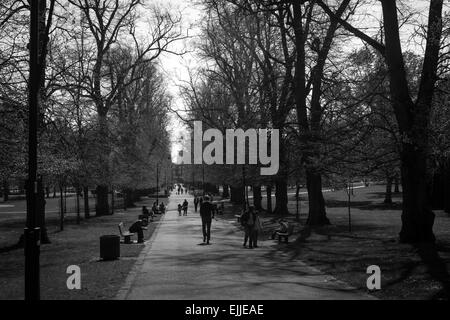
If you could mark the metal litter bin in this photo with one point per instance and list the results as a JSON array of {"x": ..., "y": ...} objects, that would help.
[{"x": 109, "y": 247}]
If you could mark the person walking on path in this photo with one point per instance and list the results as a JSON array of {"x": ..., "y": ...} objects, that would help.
[
  {"x": 207, "y": 214},
  {"x": 185, "y": 207},
  {"x": 196, "y": 203},
  {"x": 179, "y": 209},
  {"x": 154, "y": 209},
  {"x": 257, "y": 229},
  {"x": 250, "y": 222},
  {"x": 246, "y": 223}
]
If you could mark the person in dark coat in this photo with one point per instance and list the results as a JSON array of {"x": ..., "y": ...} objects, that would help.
[
  {"x": 196, "y": 201},
  {"x": 154, "y": 209},
  {"x": 185, "y": 207},
  {"x": 244, "y": 219},
  {"x": 137, "y": 227},
  {"x": 250, "y": 222},
  {"x": 207, "y": 214}
]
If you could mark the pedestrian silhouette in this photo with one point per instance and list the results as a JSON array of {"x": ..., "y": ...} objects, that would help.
[{"x": 206, "y": 213}]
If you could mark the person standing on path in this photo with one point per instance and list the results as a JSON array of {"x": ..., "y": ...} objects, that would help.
[
  {"x": 196, "y": 203},
  {"x": 185, "y": 207},
  {"x": 249, "y": 221},
  {"x": 247, "y": 224},
  {"x": 207, "y": 214},
  {"x": 257, "y": 229}
]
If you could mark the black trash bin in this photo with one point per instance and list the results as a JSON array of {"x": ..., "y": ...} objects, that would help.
[{"x": 109, "y": 247}]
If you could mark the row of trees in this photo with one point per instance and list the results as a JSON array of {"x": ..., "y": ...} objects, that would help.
[
  {"x": 103, "y": 99},
  {"x": 343, "y": 111}
]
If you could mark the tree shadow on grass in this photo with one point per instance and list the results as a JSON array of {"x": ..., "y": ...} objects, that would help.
[
  {"x": 381, "y": 195},
  {"x": 366, "y": 205},
  {"x": 436, "y": 267}
]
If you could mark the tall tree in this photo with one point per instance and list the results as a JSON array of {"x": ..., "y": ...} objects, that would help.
[
  {"x": 412, "y": 115},
  {"x": 108, "y": 22}
]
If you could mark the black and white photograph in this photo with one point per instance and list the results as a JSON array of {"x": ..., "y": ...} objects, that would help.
[{"x": 222, "y": 155}]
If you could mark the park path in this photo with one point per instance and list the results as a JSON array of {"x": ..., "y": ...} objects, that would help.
[{"x": 175, "y": 265}]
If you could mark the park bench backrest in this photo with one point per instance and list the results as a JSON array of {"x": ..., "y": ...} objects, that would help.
[{"x": 120, "y": 228}]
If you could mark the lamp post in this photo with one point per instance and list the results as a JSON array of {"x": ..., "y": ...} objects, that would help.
[
  {"x": 32, "y": 231},
  {"x": 157, "y": 183}
]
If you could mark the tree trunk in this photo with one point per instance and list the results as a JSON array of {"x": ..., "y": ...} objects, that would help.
[
  {"x": 417, "y": 216},
  {"x": 388, "y": 193},
  {"x": 61, "y": 211},
  {"x": 226, "y": 191},
  {"x": 41, "y": 202},
  {"x": 447, "y": 188},
  {"x": 86, "y": 202},
  {"x": 237, "y": 195},
  {"x": 78, "y": 204},
  {"x": 413, "y": 119},
  {"x": 102, "y": 207},
  {"x": 297, "y": 201},
  {"x": 112, "y": 201},
  {"x": 269, "y": 198},
  {"x": 129, "y": 198},
  {"x": 396, "y": 185},
  {"x": 317, "y": 215},
  {"x": 5, "y": 191},
  {"x": 281, "y": 197},
  {"x": 257, "y": 198}
]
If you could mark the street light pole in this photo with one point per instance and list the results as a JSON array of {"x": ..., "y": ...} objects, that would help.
[
  {"x": 32, "y": 231},
  {"x": 245, "y": 188},
  {"x": 157, "y": 183}
]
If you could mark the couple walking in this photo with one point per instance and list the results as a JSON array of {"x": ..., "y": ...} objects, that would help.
[{"x": 252, "y": 227}]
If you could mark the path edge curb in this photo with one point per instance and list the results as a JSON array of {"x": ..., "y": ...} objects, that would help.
[{"x": 126, "y": 287}]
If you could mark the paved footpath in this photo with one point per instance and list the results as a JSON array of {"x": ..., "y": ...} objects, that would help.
[{"x": 175, "y": 265}]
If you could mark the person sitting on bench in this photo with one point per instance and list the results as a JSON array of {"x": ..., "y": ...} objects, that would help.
[
  {"x": 154, "y": 209},
  {"x": 146, "y": 213},
  {"x": 145, "y": 216},
  {"x": 283, "y": 228},
  {"x": 137, "y": 227},
  {"x": 162, "y": 207}
]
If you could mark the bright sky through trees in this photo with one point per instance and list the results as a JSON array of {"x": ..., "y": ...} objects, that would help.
[{"x": 367, "y": 18}]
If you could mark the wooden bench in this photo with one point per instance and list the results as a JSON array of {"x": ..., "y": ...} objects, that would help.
[
  {"x": 285, "y": 235},
  {"x": 126, "y": 235},
  {"x": 238, "y": 217}
]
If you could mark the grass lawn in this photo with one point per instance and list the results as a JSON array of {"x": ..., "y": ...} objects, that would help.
[
  {"x": 76, "y": 245},
  {"x": 407, "y": 272}
]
